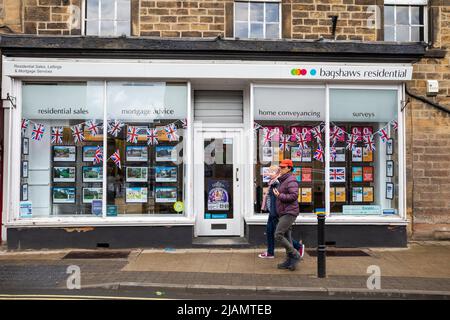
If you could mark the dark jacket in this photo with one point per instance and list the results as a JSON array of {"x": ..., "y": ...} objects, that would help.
[
  {"x": 287, "y": 201},
  {"x": 272, "y": 200}
]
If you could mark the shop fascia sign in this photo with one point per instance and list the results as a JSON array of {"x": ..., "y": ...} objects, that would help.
[{"x": 205, "y": 69}]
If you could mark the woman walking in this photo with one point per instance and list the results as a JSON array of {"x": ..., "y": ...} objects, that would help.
[
  {"x": 269, "y": 204},
  {"x": 288, "y": 210}
]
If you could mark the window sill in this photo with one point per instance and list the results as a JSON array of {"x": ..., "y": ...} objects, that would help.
[
  {"x": 336, "y": 220},
  {"x": 100, "y": 221}
]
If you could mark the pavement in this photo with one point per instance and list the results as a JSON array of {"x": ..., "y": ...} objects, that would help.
[{"x": 420, "y": 271}]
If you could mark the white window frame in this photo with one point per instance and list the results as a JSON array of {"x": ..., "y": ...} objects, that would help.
[
  {"x": 99, "y": 19},
  {"x": 264, "y": 19},
  {"x": 409, "y": 4},
  {"x": 400, "y": 219}
]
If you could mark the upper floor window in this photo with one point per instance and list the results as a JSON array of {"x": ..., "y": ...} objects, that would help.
[
  {"x": 256, "y": 19},
  {"x": 108, "y": 17},
  {"x": 404, "y": 20}
]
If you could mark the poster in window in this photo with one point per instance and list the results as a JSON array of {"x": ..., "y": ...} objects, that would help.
[
  {"x": 368, "y": 174},
  {"x": 265, "y": 174},
  {"x": 166, "y": 153},
  {"x": 340, "y": 194},
  {"x": 367, "y": 194},
  {"x": 367, "y": 131},
  {"x": 64, "y": 153},
  {"x": 337, "y": 174},
  {"x": 25, "y": 146},
  {"x": 390, "y": 147},
  {"x": 166, "y": 174},
  {"x": 91, "y": 194},
  {"x": 218, "y": 195},
  {"x": 137, "y": 153},
  {"x": 298, "y": 173},
  {"x": 89, "y": 153},
  {"x": 267, "y": 155},
  {"x": 25, "y": 169},
  {"x": 306, "y": 131},
  {"x": 63, "y": 195},
  {"x": 389, "y": 168},
  {"x": 166, "y": 194},
  {"x": 306, "y": 155},
  {"x": 306, "y": 195},
  {"x": 93, "y": 174},
  {"x": 367, "y": 155},
  {"x": 357, "y": 194},
  {"x": 136, "y": 195},
  {"x": 306, "y": 174},
  {"x": 389, "y": 190},
  {"x": 357, "y": 154},
  {"x": 64, "y": 174},
  {"x": 357, "y": 174},
  {"x": 136, "y": 174},
  {"x": 340, "y": 154},
  {"x": 275, "y": 132},
  {"x": 332, "y": 194},
  {"x": 296, "y": 154},
  {"x": 24, "y": 192},
  {"x": 357, "y": 131}
]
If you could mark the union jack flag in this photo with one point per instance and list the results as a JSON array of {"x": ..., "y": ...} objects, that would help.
[
  {"x": 317, "y": 133},
  {"x": 369, "y": 143},
  {"x": 115, "y": 127},
  {"x": 351, "y": 142},
  {"x": 337, "y": 174},
  {"x": 116, "y": 158},
  {"x": 152, "y": 136},
  {"x": 267, "y": 136},
  {"x": 93, "y": 127},
  {"x": 184, "y": 123},
  {"x": 171, "y": 131},
  {"x": 132, "y": 135},
  {"x": 98, "y": 156},
  {"x": 394, "y": 124},
  {"x": 383, "y": 135},
  {"x": 78, "y": 134},
  {"x": 57, "y": 134},
  {"x": 24, "y": 125},
  {"x": 256, "y": 126},
  {"x": 38, "y": 132},
  {"x": 301, "y": 140},
  {"x": 318, "y": 154},
  {"x": 336, "y": 134},
  {"x": 284, "y": 142}
]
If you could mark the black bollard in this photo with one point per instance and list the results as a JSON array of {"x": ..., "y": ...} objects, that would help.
[{"x": 321, "y": 248}]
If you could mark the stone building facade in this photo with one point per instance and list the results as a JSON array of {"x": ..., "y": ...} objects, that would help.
[{"x": 428, "y": 128}]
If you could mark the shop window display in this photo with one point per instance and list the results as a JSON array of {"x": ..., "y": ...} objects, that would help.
[
  {"x": 363, "y": 159},
  {"x": 63, "y": 135},
  {"x": 279, "y": 134},
  {"x": 58, "y": 147}
]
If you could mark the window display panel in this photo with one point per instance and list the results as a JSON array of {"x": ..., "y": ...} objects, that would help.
[
  {"x": 289, "y": 124},
  {"x": 61, "y": 131},
  {"x": 363, "y": 152},
  {"x": 146, "y": 169}
]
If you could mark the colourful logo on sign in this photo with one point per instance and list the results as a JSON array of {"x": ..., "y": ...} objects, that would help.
[{"x": 303, "y": 72}]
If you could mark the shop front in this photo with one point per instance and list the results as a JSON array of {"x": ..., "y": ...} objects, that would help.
[{"x": 129, "y": 153}]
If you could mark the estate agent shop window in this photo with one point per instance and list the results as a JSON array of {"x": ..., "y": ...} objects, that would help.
[
  {"x": 73, "y": 132},
  {"x": 289, "y": 123}
]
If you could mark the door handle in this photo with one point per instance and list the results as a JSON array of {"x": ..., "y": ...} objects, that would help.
[{"x": 237, "y": 174}]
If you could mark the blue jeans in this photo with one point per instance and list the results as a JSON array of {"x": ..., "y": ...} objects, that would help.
[{"x": 272, "y": 223}]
